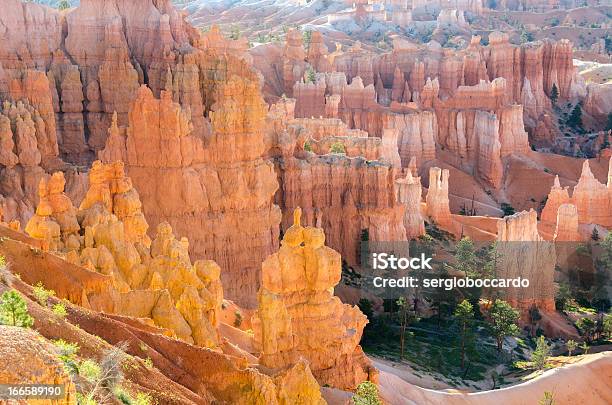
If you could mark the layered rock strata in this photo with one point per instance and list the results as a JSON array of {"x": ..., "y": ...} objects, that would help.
[{"x": 409, "y": 194}]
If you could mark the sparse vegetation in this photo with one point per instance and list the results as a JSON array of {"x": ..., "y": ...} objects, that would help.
[
  {"x": 14, "y": 310},
  {"x": 41, "y": 294},
  {"x": 540, "y": 356},
  {"x": 548, "y": 399},
  {"x": 59, "y": 310},
  {"x": 367, "y": 394},
  {"x": 554, "y": 94},
  {"x": 95, "y": 383},
  {"x": 503, "y": 323},
  {"x": 571, "y": 346},
  {"x": 507, "y": 209},
  {"x": 337, "y": 147}
]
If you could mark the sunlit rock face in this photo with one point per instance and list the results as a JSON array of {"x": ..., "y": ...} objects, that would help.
[
  {"x": 299, "y": 316},
  {"x": 217, "y": 191}
]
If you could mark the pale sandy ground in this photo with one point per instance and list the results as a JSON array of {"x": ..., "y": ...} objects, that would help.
[
  {"x": 588, "y": 381},
  {"x": 406, "y": 373}
]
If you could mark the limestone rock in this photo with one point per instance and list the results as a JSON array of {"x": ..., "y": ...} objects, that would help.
[
  {"x": 221, "y": 183},
  {"x": 525, "y": 254},
  {"x": 593, "y": 199},
  {"x": 567, "y": 224},
  {"x": 298, "y": 316},
  {"x": 28, "y": 358},
  {"x": 409, "y": 193},
  {"x": 556, "y": 197},
  {"x": 438, "y": 208}
]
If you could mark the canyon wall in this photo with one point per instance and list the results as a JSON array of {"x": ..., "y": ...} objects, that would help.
[{"x": 216, "y": 190}]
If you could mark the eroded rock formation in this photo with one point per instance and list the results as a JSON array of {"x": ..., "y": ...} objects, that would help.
[
  {"x": 108, "y": 234},
  {"x": 409, "y": 193},
  {"x": 220, "y": 184},
  {"x": 523, "y": 253},
  {"x": 438, "y": 209},
  {"x": 298, "y": 315}
]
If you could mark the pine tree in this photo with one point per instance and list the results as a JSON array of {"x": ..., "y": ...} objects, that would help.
[
  {"x": 571, "y": 346},
  {"x": 541, "y": 354},
  {"x": 504, "y": 320},
  {"x": 14, "y": 311},
  {"x": 575, "y": 118},
  {"x": 554, "y": 94},
  {"x": 464, "y": 314},
  {"x": 63, "y": 5},
  {"x": 311, "y": 75}
]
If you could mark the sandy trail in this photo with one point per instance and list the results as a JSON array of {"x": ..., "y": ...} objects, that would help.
[{"x": 587, "y": 381}]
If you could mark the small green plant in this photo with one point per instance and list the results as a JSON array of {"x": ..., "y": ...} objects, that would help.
[
  {"x": 585, "y": 348},
  {"x": 14, "y": 310},
  {"x": 148, "y": 363},
  {"x": 307, "y": 146},
  {"x": 41, "y": 294},
  {"x": 59, "y": 310},
  {"x": 571, "y": 346},
  {"x": 367, "y": 394},
  {"x": 548, "y": 399},
  {"x": 124, "y": 397},
  {"x": 90, "y": 370},
  {"x": 337, "y": 147},
  {"x": 540, "y": 356}
]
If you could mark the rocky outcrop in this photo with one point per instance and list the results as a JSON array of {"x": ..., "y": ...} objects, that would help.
[
  {"x": 438, "y": 209},
  {"x": 556, "y": 197},
  {"x": 298, "y": 315},
  {"x": 409, "y": 194},
  {"x": 220, "y": 183},
  {"x": 593, "y": 199},
  {"x": 524, "y": 254},
  {"x": 27, "y": 150},
  {"x": 344, "y": 196},
  {"x": 108, "y": 235},
  {"x": 567, "y": 224},
  {"x": 28, "y": 358},
  {"x": 598, "y": 101}
]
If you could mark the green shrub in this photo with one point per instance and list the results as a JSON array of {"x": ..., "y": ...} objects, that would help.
[
  {"x": 337, "y": 147},
  {"x": 41, "y": 294},
  {"x": 367, "y": 394},
  {"x": 14, "y": 310},
  {"x": 59, "y": 310}
]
